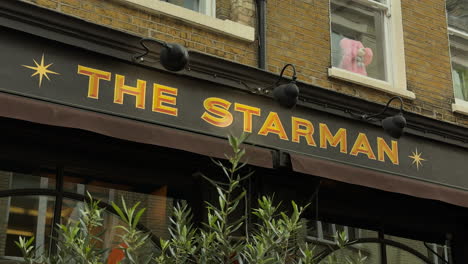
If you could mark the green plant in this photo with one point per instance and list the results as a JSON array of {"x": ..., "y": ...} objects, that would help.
[{"x": 274, "y": 239}]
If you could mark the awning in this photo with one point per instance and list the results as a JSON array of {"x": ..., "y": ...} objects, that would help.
[
  {"x": 12, "y": 106},
  {"x": 378, "y": 180}
]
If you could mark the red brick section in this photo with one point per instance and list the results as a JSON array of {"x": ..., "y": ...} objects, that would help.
[{"x": 298, "y": 32}]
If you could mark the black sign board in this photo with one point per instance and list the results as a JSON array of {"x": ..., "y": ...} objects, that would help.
[{"x": 46, "y": 70}]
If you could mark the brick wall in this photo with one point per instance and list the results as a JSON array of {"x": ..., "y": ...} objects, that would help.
[
  {"x": 298, "y": 32},
  {"x": 223, "y": 9},
  {"x": 427, "y": 59},
  {"x": 243, "y": 11},
  {"x": 123, "y": 17}
]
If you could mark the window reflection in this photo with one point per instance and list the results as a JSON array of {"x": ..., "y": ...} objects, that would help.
[
  {"x": 190, "y": 4},
  {"x": 156, "y": 201},
  {"x": 25, "y": 216},
  {"x": 16, "y": 180},
  {"x": 370, "y": 251},
  {"x": 399, "y": 256},
  {"x": 457, "y": 15},
  {"x": 322, "y": 235},
  {"x": 111, "y": 236},
  {"x": 357, "y": 39},
  {"x": 459, "y": 53},
  {"x": 426, "y": 249}
]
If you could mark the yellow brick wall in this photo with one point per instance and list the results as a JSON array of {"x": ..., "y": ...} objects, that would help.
[
  {"x": 298, "y": 32},
  {"x": 123, "y": 17},
  {"x": 428, "y": 60}
]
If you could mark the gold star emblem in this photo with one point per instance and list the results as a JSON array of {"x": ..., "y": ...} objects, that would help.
[
  {"x": 417, "y": 159},
  {"x": 41, "y": 70}
]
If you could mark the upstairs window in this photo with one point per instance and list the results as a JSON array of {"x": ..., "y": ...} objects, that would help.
[
  {"x": 367, "y": 44},
  {"x": 457, "y": 14},
  {"x": 207, "y": 7},
  {"x": 358, "y": 38}
]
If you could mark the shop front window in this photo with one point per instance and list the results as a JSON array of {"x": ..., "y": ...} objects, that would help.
[
  {"x": 29, "y": 200},
  {"x": 373, "y": 245},
  {"x": 110, "y": 235},
  {"x": 323, "y": 235},
  {"x": 25, "y": 216}
]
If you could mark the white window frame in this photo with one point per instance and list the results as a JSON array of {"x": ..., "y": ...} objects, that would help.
[
  {"x": 460, "y": 106},
  {"x": 435, "y": 258},
  {"x": 394, "y": 52},
  {"x": 207, "y": 7},
  {"x": 207, "y": 19}
]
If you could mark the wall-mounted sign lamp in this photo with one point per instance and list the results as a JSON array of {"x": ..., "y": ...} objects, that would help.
[
  {"x": 392, "y": 125},
  {"x": 286, "y": 94},
  {"x": 173, "y": 56}
]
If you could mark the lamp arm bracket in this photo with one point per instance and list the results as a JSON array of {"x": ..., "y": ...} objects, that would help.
[
  {"x": 367, "y": 117},
  {"x": 294, "y": 77},
  {"x": 140, "y": 57}
]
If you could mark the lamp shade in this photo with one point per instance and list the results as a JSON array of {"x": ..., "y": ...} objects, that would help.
[
  {"x": 394, "y": 125},
  {"x": 286, "y": 94},
  {"x": 174, "y": 57}
]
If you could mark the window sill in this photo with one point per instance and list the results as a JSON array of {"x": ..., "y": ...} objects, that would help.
[
  {"x": 460, "y": 107},
  {"x": 226, "y": 27},
  {"x": 369, "y": 82}
]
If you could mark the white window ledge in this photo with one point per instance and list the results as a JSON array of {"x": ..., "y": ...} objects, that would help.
[
  {"x": 460, "y": 106},
  {"x": 369, "y": 82},
  {"x": 226, "y": 27}
]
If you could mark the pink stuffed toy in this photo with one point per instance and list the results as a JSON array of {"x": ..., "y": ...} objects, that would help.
[{"x": 355, "y": 56}]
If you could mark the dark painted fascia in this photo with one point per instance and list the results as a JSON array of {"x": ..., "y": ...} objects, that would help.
[{"x": 122, "y": 45}]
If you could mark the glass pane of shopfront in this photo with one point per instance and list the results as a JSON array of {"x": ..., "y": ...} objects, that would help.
[
  {"x": 25, "y": 216},
  {"x": 399, "y": 256},
  {"x": 17, "y": 180},
  {"x": 369, "y": 251},
  {"x": 424, "y": 248},
  {"x": 156, "y": 200},
  {"x": 322, "y": 236},
  {"x": 109, "y": 232}
]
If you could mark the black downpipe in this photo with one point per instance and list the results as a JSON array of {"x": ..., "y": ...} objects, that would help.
[{"x": 261, "y": 27}]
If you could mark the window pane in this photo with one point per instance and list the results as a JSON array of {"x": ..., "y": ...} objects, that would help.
[
  {"x": 457, "y": 13},
  {"x": 25, "y": 216},
  {"x": 190, "y": 4},
  {"x": 426, "y": 249},
  {"x": 111, "y": 236},
  {"x": 371, "y": 251},
  {"x": 399, "y": 256},
  {"x": 17, "y": 180},
  {"x": 158, "y": 205},
  {"x": 322, "y": 236},
  {"x": 358, "y": 43},
  {"x": 459, "y": 53}
]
